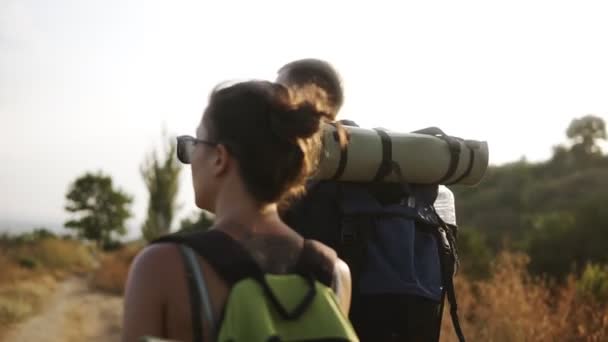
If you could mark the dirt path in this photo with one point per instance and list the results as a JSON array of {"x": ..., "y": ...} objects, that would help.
[{"x": 74, "y": 313}]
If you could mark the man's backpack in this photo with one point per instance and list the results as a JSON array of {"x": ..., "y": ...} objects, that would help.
[
  {"x": 401, "y": 254},
  {"x": 264, "y": 307}
]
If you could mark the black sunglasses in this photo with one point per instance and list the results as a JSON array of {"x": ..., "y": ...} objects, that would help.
[{"x": 185, "y": 147}]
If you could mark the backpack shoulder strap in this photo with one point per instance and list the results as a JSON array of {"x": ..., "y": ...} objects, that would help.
[
  {"x": 318, "y": 260},
  {"x": 199, "y": 294},
  {"x": 214, "y": 246},
  {"x": 315, "y": 258}
]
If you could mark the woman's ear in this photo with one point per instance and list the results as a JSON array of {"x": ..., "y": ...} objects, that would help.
[{"x": 222, "y": 161}]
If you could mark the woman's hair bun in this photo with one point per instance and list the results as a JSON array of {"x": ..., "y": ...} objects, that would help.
[{"x": 301, "y": 121}]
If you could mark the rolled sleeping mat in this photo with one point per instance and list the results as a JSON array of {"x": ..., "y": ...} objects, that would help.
[{"x": 427, "y": 156}]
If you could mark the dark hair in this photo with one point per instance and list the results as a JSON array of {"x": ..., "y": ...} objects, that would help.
[
  {"x": 306, "y": 72},
  {"x": 274, "y": 136}
]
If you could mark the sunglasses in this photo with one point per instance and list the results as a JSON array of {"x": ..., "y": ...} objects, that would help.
[{"x": 185, "y": 147}]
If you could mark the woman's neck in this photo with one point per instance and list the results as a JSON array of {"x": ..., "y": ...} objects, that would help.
[{"x": 239, "y": 214}]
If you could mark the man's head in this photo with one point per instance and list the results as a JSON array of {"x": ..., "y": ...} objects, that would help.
[{"x": 301, "y": 74}]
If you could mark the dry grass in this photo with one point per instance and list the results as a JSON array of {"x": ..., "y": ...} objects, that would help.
[
  {"x": 114, "y": 268},
  {"x": 29, "y": 271},
  {"x": 509, "y": 306},
  {"x": 49, "y": 254},
  {"x": 513, "y": 306},
  {"x": 66, "y": 255},
  {"x": 21, "y": 299},
  {"x": 11, "y": 270}
]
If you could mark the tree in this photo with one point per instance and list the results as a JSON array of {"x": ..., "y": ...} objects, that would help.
[
  {"x": 198, "y": 223},
  {"x": 99, "y": 209},
  {"x": 551, "y": 243},
  {"x": 161, "y": 176},
  {"x": 570, "y": 238},
  {"x": 585, "y": 132}
]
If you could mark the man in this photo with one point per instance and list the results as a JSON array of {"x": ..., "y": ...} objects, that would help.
[{"x": 410, "y": 312}]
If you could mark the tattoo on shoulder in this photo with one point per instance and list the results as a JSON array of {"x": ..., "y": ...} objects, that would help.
[{"x": 274, "y": 254}]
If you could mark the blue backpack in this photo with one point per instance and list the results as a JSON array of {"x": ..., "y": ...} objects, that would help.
[{"x": 402, "y": 255}]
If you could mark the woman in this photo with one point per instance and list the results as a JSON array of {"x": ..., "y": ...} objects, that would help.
[{"x": 255, "y": 147}]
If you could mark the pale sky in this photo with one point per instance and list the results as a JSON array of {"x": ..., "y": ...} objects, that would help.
[{"x": 88, "y": 85}]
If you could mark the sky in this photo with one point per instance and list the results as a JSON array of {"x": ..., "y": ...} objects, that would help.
[{"x": 90, "y": 85}]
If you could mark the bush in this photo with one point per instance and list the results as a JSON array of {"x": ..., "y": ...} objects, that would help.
[
  {"x": 112, "y": 246},
  {"x": 512, "y": 305},
  {"x": 9, "y": 270},
  {"x": 28, "y": 263},
  {"x": 474, "y": 254},
  {"x": 111, "y": 275},
  {"x": 593, "y": 283},
  {"x": 24, "y": 260},
  {"x": 200, "y": 221},
  {"x": 59, "y": 254}
]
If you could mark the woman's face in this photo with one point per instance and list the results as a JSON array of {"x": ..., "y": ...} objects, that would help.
[{"x": 203, "y": 176}]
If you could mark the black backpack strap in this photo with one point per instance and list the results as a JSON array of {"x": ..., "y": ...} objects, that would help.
[
  {"x": 215, "y": 246},
  {"x": 448, "y": 258},
  {"x": 233, "y": 263},
  {"x": 318, "y": 260},
  {"x": 354, "y": 233},
  {"x": 199, "y": 295}
]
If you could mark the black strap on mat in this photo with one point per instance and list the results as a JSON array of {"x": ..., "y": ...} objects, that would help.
[
  {"x": 453, "y": 145},
  {"x": 386, "y": 166},
  {"x": 469, "y": 168},
  {"x": 343, "y": 158}
]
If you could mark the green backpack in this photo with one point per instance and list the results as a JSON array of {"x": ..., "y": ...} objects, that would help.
[{"x": 299, "y": 306}]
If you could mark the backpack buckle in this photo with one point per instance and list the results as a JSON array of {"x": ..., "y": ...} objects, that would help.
[{"x": 444, "y": 240}]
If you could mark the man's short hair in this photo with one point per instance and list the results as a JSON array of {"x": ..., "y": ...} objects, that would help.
[{"x": 317, "y": 72}]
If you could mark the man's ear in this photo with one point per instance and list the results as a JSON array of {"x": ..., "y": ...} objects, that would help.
[{"x": 222, "y": 160}]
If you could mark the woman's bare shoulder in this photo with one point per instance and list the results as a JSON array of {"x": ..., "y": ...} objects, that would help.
[
  {"x": 155, "y": 261},
  {"x": 341, "y": 269}
]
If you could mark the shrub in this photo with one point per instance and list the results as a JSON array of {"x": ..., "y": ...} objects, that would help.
[
  {"x": 111, "y": 275},
  {"x": 512, "y": 305},
  {"x": 28, "y": 263},
  {"x": 593, "y": 283}
]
